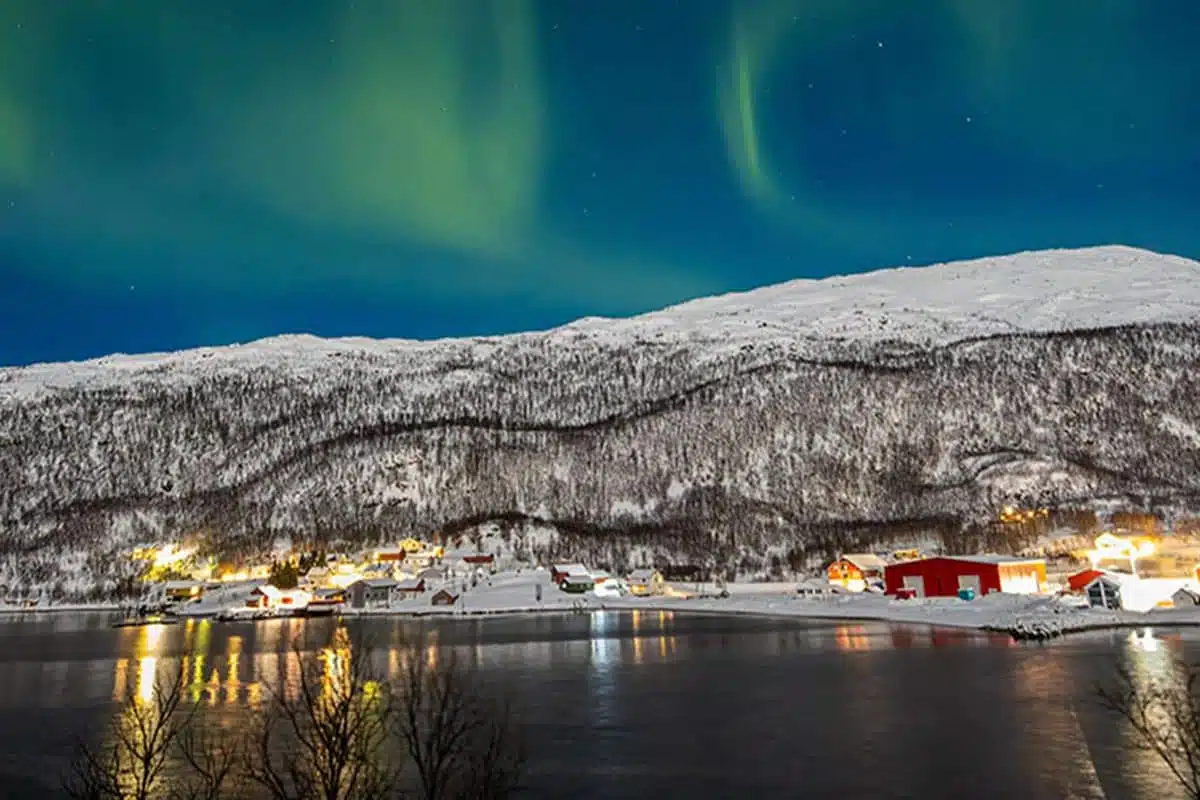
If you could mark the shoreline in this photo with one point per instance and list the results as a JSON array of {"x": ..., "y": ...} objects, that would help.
[{"x": 1000, "y": 616}]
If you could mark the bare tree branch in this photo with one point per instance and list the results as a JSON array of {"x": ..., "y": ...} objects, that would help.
[
  {"x": 328, "y": 741},
  {"x": 460, "y": 744},
  {"x": 1164, "y": 716}
]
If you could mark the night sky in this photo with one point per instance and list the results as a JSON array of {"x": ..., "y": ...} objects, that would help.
[{"x": 176, "y": 174}]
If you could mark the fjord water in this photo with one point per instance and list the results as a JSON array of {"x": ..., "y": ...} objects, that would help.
[{"x": 660, "y": 704}]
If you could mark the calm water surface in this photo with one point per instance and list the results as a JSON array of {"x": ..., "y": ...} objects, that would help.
[{"x": 661, "y": 704}]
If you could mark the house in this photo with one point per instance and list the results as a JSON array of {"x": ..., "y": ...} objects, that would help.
[
  {"x": 560, "y": 572},
  {"x": 443, "y": 597},
  {"x": 317, "y": 576},
  {"x": 392, "y": 555},
  {"x": 380, "y": 569},
  {"x": 1080, "y": 580},
  {"x": 182, "y": 591},
  {"x": 946, "y": 576},
  {"x": 271, "y": 597},
  {"x": 1186, "y": 597},
  {"x": 411, "y": 586},
  {"x": 684, "y": 572},
  {"x": 370, "y": 592},
  {"x": 1131, "y": 593},
  {"x": 855, "y": 570},
  {"x": 643, "y": 582},
  {"x": 577, "y": 584},
  {"x": 608, "y": 587},
  {"x": 432, "y": 574},
  {"x": 326, "y": 601},
  {"x": 480, "y": 559}
]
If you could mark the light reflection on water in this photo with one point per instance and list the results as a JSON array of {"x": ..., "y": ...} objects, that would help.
[{"x": 598, "y": 683}]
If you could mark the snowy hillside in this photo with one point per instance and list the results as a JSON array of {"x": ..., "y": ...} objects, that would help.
[{"x": 788, "y": 418}]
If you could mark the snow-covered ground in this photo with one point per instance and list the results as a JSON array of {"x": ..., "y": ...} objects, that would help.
[
  {"x": 509, "y": 593},
  {"x": 517, "y": 593},
  {"x": 1029, "y": 292}
]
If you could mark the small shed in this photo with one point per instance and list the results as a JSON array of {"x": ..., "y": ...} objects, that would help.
[
  {"x": 1186, "y": 597},
  {"x": 854, "y": 571},
  {"x": 411, "y": 586},
  {"x": 443, "y": 597},
  {"x": 560, "y": 572},
  {"x": 370, "y": 592},
  {"x": 645, "y": 582},
  {"x": 577, "y": 584}
]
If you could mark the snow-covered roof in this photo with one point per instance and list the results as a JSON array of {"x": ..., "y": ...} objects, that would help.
[
  {"x": 642, "y": 575},
  {"x": 169, "y": 585},
  {"x": 866, "y": 562},
  {"x": 377, "y": 583},
  {"x": 996, "y": 559},
  {"x": 410, "y": 585},
  {"x": 570, "y": 569}
]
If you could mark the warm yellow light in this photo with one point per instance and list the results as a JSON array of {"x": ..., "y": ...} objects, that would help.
[
  {"x": 171, "y": 554},
  {"x": 1145, "y": 549},
  {"x": 342, "y": 580},
  {"x": 147, "y": 669}
]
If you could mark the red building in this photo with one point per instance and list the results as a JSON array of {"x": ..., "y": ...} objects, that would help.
[
  {"x": 945, "y": 576},
  {"x": 482, "y": 558},
  {"x": 1080, "y": 580}
]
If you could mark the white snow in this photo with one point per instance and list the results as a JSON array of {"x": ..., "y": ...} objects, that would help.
[{"x": 1029, "y": 292}]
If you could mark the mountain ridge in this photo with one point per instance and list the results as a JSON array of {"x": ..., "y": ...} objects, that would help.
[{"x": 635, "y": 440}]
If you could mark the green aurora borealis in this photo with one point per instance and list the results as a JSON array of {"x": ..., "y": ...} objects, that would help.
[{"x": 178, "y": 174}]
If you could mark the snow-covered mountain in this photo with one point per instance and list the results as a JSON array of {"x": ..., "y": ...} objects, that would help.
[{"x": 789, "y": 418}]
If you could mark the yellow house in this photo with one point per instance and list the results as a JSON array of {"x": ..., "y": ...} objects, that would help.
[{"x": 643, "y": 582}]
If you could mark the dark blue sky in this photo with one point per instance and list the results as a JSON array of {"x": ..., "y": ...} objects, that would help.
[{"x": 182, "y": 174}]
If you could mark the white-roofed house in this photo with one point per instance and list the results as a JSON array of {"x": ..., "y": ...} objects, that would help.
[
  {"x": 1186, "y": 596},
  {"x": 560, "y": 572},
  {"x": 856, "y": 571},
  {"x": 645, "y": 582},
  {"x": 1122, "y": 591},
  {"x": 370, "y": 592}
]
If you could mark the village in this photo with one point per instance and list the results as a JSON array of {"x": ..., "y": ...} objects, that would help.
[
  {"x": 1118, "y": 577},
  {"x": 411, "y": 577}
]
